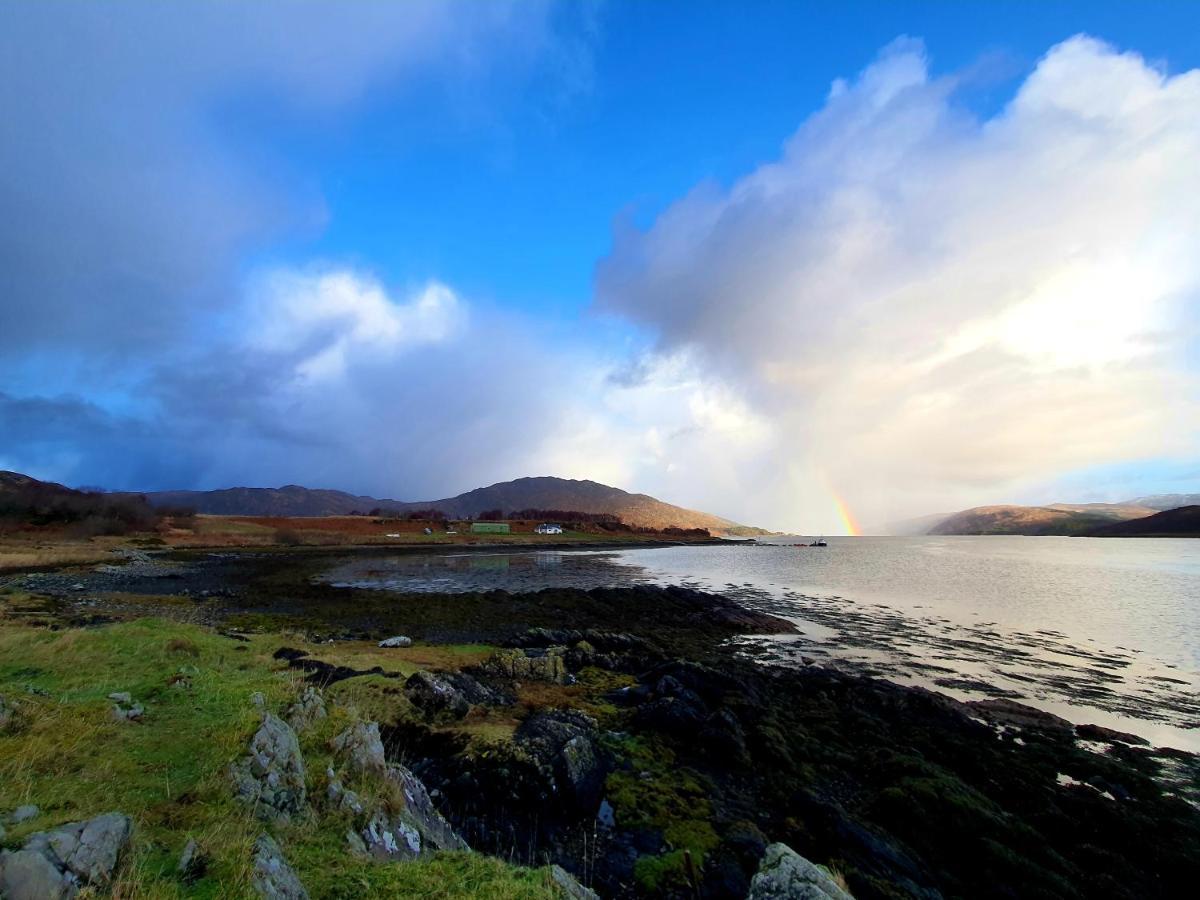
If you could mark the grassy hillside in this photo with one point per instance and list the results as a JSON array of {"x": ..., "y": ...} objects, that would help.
[{"x": 67, "y": 754}]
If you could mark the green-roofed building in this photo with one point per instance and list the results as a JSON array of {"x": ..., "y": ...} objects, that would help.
[{"x": 489, "y": 528}]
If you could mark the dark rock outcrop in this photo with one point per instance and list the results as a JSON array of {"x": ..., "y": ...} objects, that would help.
[
  {"x": 564, "y": 745},
  {"x": 392, "y": 831},
  {"x": 516, "y": 664},
  {"x": 1003, "y": 711},
  {"x": 415, "y": 829},
  {"x": 1109, "y": 735},
  {"x": 436, "y": 696}
]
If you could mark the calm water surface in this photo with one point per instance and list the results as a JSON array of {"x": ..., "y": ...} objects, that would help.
[{"x": 1106, "y": 631}]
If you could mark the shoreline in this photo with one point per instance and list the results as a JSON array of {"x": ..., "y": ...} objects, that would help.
[
  {"x": 689, "y": 747},
  {"x": 851, "y": 637}
]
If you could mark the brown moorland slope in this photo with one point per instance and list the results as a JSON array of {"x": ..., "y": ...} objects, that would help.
[
  {"x": 1060, "y": 519},
  {"x": 544, "y": 492}
]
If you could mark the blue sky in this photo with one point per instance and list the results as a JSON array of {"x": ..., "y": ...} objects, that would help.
[
  {"x": 414, "y": 248},
  {"x": 510, "y": 190}
]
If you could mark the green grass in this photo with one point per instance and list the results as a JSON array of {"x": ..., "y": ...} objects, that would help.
[{"x": 71, "y": 758}]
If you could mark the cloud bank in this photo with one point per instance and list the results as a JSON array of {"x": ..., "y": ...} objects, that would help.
[
  {"x": 934, "y": 309},
  {"x": 912, "y": 309}
]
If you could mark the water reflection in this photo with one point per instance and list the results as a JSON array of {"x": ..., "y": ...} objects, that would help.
[{"x": 1101, "y": 631}]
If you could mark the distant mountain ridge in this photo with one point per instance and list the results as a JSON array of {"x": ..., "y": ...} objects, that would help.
[
  {"x": 540, "y": 492},
  {"x": 1181, "y": 522},
  {"x": 1055, "y": 518},
  {"x": 1036, "y": 520}
]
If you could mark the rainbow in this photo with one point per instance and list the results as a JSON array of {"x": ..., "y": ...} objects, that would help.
[{"x": 846, "y": 516}]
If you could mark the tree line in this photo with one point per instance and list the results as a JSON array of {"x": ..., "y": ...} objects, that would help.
[{"x": 86, "y": 513}]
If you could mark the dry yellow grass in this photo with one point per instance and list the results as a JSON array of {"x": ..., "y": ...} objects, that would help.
[{"x": 27, "y": 551}]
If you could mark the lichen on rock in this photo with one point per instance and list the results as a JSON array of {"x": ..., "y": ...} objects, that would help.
[
  {"x": 547, "y": 664},
  {"x": 272, "y": 877},
  {"x": 362, "y": 747},
  {"x": 784, "y": 874},
  {"x": 57, "y": 863},
  {"x": 271, "y": 776},
  {"x": 307, "y": 710}
]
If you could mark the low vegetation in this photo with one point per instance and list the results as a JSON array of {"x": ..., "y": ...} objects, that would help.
[{"x": 65, "y": 752}]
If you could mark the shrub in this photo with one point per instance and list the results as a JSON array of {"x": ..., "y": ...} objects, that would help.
[
  {"x": 286, "y": 537},
  {"x": 183, "y": 645}
]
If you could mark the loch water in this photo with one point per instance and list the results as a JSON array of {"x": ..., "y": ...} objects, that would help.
[{"x": 1095, "y": 630}]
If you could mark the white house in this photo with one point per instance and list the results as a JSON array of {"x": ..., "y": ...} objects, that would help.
[{"x": 547, "y": 528}]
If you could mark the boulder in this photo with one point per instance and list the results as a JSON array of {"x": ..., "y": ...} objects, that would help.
[
  {"x": 341, "y": 797},
  {"x": 476, "y": 692},
  {"x": 128, "y": 713},
  {"x": 415, "y": 829},
  {"x": 308, "y": 709},
  {"x": 272, "y": 877},
  {"x": 192, "y": 863},
  {"x": 57, "y": 863},
  {"x": 271, "y": 776},
  {"x": 397, "y": 641},
  {"x": 124, "y": 709},
  {"x": 23, "y": 814},
  {"x": 390, "y": 838},
  {"x": 362, "y": 746},
  {"x": 547, "y": 664},
  {"x": 784, "y": 874},
  {"x": 28, "y": 875},
  {"x": 435, "y": 696},
  {"x": 562, "y": 743},
  {"x": 683, "y": 714},
  {"x": 570, "y": 888}
]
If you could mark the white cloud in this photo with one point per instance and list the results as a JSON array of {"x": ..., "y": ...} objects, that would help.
[
  {"x": 326, "y": 316},
  {"x": 133, "y": 185},
  {"x": 932, "y": 310}
]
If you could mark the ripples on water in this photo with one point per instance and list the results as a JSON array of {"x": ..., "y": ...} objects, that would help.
[{"x": 1106, "y": 631}]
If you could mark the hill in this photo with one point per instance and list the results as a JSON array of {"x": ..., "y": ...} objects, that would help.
[
  {"x": 1181, "y": 522},
  {"x": 26, "y": 502},
  {"x": 289, "y": 500},
  {"x": 545, "y": 492},
  {"x": 1060, "y": 518}
]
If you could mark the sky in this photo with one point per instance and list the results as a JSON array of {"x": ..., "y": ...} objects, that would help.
[{"x": 816, "y": 267}]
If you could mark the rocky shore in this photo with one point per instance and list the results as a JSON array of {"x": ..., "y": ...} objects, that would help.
[{"x": 606, "y": 741}]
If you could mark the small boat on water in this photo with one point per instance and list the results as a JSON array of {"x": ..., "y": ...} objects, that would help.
[{"x": 819, "y": 542}]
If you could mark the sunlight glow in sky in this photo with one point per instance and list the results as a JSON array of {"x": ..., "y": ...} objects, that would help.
[{"x": 800, "y": 266}]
